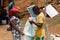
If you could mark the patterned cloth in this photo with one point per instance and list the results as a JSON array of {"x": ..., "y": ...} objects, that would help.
[{"x": 16, "y": 34}]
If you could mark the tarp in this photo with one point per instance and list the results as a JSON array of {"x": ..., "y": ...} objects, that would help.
[
  {"x": 51, "y": 11},
  {"x": 29, "y": 29},
  {"x": 31, "y": 11}
]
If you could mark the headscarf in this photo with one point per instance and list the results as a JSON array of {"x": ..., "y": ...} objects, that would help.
[{"x": 14, "y": 9}]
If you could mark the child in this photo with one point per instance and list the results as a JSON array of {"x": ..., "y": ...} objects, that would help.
[{"x": 40, "y": 32}]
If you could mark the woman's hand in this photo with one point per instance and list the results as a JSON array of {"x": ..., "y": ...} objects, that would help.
[{"x": 22, "y": 33}]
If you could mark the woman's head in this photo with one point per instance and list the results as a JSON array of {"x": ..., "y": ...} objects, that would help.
[
  {"x": 15, "y": 11},
  {"x": 16, "y": 14}
]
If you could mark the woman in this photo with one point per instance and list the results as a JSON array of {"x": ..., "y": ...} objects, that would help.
[{"x": 15, "y": 23}]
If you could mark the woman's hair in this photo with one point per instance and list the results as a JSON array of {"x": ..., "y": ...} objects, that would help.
[{"x": 15, "y": 14}]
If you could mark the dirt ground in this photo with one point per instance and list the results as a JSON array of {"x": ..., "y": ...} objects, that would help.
[
  {"x": 4, "y": 34},
  {"x": 54, "y": 29}
]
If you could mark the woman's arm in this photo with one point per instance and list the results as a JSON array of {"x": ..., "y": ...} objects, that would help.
[{"x": 14, "y": 26}]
